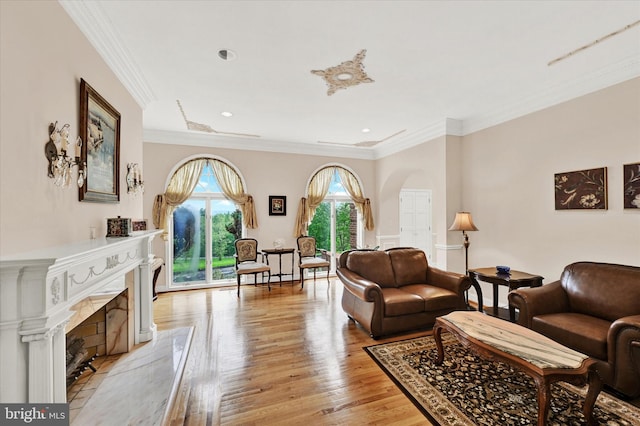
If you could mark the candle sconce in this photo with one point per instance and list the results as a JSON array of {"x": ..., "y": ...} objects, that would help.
[
  {"x": 60, "y": 163},
  {"x": 135, "y": 185}
]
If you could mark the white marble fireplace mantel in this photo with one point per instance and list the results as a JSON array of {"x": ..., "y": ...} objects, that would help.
[{"x": 37, "y": 290}]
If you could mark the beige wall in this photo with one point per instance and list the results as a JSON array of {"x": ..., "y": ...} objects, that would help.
[
  {"x": 264, "y": 174},
  {"x": 508, "y": 185},
  {"x": 44, "y": 56}
]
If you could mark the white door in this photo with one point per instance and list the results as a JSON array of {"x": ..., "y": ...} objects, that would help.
[{"x": 415, "y": 220}]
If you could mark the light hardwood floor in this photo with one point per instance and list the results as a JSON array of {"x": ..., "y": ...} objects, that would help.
[{"x": 288, "y": 356}]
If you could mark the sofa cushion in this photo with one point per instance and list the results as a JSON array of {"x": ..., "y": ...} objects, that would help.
[
  {"x": 435, "y": 298},
  {"x": 399, "y": 302},
  {"x": 583, "y": 333},
  {"x": 409, "y": 265},
  {"x": 590, "y": 289},
  {"x": 372, "y": 265}
]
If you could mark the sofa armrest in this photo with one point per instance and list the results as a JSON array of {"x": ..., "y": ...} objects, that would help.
[
  {"x": 360, "y": 287},
  {"x": 457, "y": 283},
  {"x": 550, "y": 298},
  {"x": 623, "y": 347}
]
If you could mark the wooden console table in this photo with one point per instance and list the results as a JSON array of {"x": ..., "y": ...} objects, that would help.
[
  {"x": 513, "y": 280},
  {"x": 280, "y": 252},
  {"x": 543, "y": 359}
]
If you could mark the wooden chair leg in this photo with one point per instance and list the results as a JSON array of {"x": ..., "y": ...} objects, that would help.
[
  {"x": 238, "y": 275},
  {"x": 301, "y": 278}
]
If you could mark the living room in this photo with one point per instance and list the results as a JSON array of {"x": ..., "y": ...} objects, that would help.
[{"x": 503, "y": 174}]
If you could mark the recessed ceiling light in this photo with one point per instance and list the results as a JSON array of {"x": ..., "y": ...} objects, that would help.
[
  {"x": 227, "y": 55},
  {"x": 226, "y": 114},
  {"x": 366, "y": 130}
]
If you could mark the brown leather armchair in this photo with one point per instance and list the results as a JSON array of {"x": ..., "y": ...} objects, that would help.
[{"x": 595, "y": 309}]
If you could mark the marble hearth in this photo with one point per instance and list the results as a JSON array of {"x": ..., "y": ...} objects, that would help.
[{"x": 38, "y": 291}]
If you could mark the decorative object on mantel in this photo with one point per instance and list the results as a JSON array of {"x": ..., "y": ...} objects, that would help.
[
  {"x": 100, "y": 130},
  {"x": 632, "y": 186},
  {"x": 347, "y": 74},
  {"x": 581, "y": 190},
  {"x": 119, "y": 227},
  {"x": 139, "y": 225},
  {"x": 463, "y": 222},
  {"x": 57, "y": 150},
  {"x": 135, "y": 185}
]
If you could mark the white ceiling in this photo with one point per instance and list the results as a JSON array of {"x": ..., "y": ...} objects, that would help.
[{"x": 438, "y": 66}]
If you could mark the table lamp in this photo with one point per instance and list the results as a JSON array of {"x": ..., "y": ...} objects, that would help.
[{"x": 464, "y": 223}]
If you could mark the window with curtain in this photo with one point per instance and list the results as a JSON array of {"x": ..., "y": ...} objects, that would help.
[
  {"x": 203, "y": 211},
  {"x": 334, "y": 212}
]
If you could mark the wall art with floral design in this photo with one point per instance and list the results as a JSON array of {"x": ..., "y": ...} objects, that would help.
[
  {"x": 583, "y": 189},
  {"x": 632, "y": 186}
]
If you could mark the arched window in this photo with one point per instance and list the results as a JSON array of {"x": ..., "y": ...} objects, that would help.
[
  {"x": 203, "y": 211},
  {"x": 334, "y": 211}
]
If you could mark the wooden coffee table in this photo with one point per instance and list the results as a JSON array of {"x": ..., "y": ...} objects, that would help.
[{"x": 545, "y": 360}]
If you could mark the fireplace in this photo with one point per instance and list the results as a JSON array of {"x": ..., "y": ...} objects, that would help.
[
  {"x": 38, "y": 294},
  {"x": 101, "y": 325}
]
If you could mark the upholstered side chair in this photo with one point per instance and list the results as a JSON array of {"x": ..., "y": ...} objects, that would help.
[
  {"x": 308, "y": 258},
  {"x": 247, "y": 261}
]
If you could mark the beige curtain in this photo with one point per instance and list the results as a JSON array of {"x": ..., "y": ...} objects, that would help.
[
  {"x": 184, "y": 181},
  {"x": 302, "y": 218},
  {"x": 231, "y": 186},
  {"x": 180, "y": 187},
  {"x": 318, "y": 188},
  {"x": 352, "y": 186}
]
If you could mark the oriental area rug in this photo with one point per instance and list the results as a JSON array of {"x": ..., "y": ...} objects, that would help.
[{"x": 468, "y": 390}]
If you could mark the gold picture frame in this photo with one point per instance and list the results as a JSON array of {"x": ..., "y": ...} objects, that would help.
[{"x": 100, "y": 133}]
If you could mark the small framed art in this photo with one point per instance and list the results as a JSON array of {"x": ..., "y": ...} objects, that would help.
[
  {"x": 277, "y": 205},
  {"x": 632, "y": 186},
  {"x": 581, "y": 190}
]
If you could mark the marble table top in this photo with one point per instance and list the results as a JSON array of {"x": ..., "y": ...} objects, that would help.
[{"x": 516, "y": 340}]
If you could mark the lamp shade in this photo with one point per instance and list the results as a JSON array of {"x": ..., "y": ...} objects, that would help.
[{"x": 463, "y": 222}]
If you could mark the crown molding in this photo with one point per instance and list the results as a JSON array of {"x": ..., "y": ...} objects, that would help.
[
  {"x": 215, "y": 141},
  {"x": 446, "y": 126},
  {"x": 94, "y": 24},
  {"x": 602, "y": 78}
]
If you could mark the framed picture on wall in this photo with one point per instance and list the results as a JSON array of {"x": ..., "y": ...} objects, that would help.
[
  {"x": 632, "y": 186},
  {"x": 100, "y": 133},
  {"x": 581, "y": 190},
  {"x": 277, "y": 205}
]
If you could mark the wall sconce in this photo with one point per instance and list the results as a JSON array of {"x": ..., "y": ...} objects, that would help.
[
  {"x": 60, "y": 163},
  {"x": 135, "y": 185}
]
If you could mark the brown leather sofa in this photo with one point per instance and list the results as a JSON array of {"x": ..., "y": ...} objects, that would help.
[
  {"x": 595, "y": 309},
  {"x": 393, "y": 291}
]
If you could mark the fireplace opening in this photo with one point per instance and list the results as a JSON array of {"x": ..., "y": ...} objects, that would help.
[{"x": 102, "y": 325}]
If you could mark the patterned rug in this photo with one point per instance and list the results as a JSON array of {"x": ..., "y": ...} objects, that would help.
[{"x": 467, "y": 390}]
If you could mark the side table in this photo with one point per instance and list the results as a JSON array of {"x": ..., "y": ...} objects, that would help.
[
  {"x": 513, "y": 280},
  {"x": 280, "y": 252}
]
